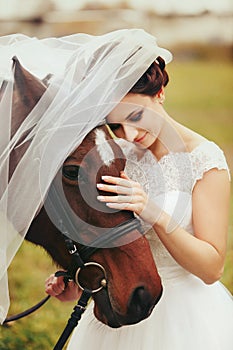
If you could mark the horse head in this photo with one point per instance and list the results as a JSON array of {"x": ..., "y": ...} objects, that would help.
[{"x": 133, "y": 285}]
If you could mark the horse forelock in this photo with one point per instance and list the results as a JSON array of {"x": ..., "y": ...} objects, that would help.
[{"x": 103, "y": 147}]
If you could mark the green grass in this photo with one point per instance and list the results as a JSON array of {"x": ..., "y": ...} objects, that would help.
[
  {"x": 40, "y": 330},
  {"x": 200, "y": 96}
]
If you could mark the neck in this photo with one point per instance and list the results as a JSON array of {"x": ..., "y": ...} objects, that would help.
[{"x": 172, "y": 137}]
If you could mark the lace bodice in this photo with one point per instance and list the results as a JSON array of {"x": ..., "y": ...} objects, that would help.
[{"x": 170, "y": 182}]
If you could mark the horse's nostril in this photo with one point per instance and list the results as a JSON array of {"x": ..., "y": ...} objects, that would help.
[
  {"x": 141, "y": 303},
  {"x": 139, "y": 294}
]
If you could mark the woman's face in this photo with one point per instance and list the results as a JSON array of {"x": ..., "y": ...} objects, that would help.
[{"x": 136, "y": 119}]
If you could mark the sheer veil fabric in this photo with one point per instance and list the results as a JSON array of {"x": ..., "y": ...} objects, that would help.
[{"x": 91, "y": 74}]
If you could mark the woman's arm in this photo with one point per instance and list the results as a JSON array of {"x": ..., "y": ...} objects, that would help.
[{"x": 204, "y": 252}]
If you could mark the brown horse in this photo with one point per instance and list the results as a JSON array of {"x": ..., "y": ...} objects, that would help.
[{"x": 133, "y": 284}]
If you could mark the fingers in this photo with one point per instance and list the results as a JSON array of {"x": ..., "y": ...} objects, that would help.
[
  {"x": 125, "y": 206},
  {"x": 130, "y": 194},
  {"x": 124, "y": 176},
  {"x": 114, "y": 189},
  {"x": 120, "y": 199},
  {"x": 126, "y": 182},
  {"x": 54, "y": 285},
  {"x": 119, "y": 185},
  {"x": 71, "y": 293}
]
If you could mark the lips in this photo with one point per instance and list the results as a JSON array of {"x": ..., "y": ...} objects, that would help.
[{"x": 140, "y": 139}]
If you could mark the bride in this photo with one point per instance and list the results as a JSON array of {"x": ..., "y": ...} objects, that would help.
[
  {"x": 176, "y": 181},
  {"x": 183, "y": 200}
]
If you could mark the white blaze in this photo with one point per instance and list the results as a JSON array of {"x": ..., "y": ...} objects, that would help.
[{"x": 103, "y": 147}]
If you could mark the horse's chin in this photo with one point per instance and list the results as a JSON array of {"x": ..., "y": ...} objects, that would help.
[
  {"x": 113, "y": 319},
  {"x": 103, "y": 310}
]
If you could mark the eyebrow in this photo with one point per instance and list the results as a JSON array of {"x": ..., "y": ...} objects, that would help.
[{"x": 133, "y": 112}]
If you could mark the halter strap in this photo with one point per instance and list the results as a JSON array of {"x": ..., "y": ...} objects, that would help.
[{"x": 112, "y": 235}]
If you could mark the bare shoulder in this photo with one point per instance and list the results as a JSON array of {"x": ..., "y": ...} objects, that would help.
[
  {"x": 191, "y": 138},
  {"x": 194, "y": 141}
]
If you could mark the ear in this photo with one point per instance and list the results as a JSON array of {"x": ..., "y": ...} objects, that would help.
[
  {"x": 28, "y": 89},
  {"x": 160, "y": 96},
  {"x": 161, "y": 93}
]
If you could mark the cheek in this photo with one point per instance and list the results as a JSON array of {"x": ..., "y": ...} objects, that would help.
[
  {"x": 154, "y": 132},
  {"x": 153, "y": 128},
  {"x": 150, "y": 140},
  {"x": 152, "y": 122}
]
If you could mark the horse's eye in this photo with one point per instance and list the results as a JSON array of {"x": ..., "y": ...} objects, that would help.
[{"x": 71, "y": 172}]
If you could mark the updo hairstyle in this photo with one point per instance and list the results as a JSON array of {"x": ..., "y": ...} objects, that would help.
[{"x": 152, "y": 80}]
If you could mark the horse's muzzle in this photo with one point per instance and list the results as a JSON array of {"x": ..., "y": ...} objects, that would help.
[{"x": 140, "y": 306}]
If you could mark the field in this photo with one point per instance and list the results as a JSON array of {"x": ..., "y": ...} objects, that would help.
[{"x": 200, "y": 96}]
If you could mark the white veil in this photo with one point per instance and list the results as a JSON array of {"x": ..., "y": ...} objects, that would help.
[{"x": 91, "y": 74}]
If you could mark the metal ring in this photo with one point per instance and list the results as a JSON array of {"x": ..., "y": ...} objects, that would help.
[{"x": 90, "y": 264}]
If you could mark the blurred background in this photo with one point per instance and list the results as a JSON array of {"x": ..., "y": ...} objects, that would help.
[
  {"x": 202, "y": 21},
  {"x": 200, "y": 35}
]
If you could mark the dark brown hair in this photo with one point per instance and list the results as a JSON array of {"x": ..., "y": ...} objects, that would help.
[{"x": 152, "y": 80}]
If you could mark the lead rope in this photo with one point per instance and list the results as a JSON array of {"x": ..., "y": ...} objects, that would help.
[
  {"x": 26, "y": 312},
  {"x": 72, "y": 274},
  {"x": 74, "y": 318},
  {"x": 80, "y": 307}
]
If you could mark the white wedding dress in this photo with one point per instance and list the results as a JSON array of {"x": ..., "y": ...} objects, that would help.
[{"x": 190, "y": 315}]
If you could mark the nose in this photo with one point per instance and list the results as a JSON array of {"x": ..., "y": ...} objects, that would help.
[
  {"x": 130, "y": 132},
  {"x": 141, "y": 304}
]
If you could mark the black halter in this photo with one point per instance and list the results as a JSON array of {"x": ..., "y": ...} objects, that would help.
[
  {"x": 66, "y": 221},
  {"x": 78, "y": 263},
  {"x": 79, "y": 259},
  {"x": 80, "y": 256}
]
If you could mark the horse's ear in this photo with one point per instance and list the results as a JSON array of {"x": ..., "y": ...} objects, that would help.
[{"x": 28, "y": 89}]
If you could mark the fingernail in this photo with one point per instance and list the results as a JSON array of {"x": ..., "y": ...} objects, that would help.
[
  {"x": 100, "y": 185},
  {"x": 105, "y": 177},
  {"x": 110, "y": 205},
  {"x": 100, "y": 198}
]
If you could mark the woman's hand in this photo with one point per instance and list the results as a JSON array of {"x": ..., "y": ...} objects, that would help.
[
  {"x": 130, "y": 196},
  {"x": 55, "y": 287}
]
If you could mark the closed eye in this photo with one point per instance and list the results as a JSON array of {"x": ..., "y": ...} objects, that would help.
[{"x": 136, "y": 117}]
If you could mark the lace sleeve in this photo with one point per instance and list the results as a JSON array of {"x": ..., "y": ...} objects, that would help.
[{"x": 205, "y": 158}]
